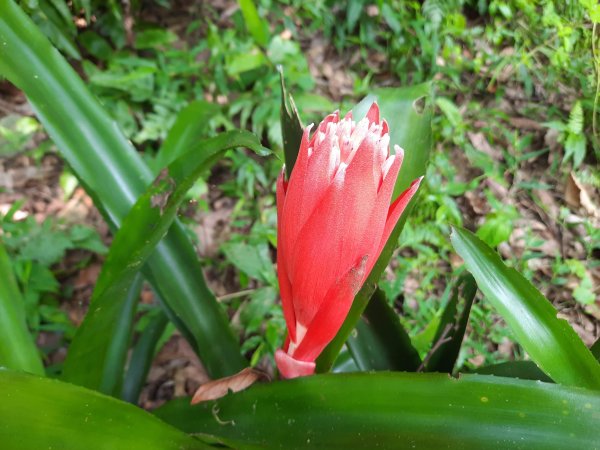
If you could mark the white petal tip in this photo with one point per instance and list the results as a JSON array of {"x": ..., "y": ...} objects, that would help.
[{"x": 398, "y": 150}]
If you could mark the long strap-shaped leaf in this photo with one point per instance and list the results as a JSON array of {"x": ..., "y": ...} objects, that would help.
[
  {"x": 408, "y": 112},
  {"x": 452, "y": 327},
  {"x": 550, "y": 341},
  {"x": 115, "y": 176},
  {"x": 90, "y": 361},
  {"x": 291, "y": 126},
  {"x": 142, "y": 356},
  {"x": 398, "y": 410},
  {"x": 380, "y": 342},
  {"x": 17, "y": 349},
  {"x": 38, "y": 413}
]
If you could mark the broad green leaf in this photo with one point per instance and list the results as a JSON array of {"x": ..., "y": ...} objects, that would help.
[
  {"x": 549, "y": 341},
  {"x": 450, "y": 110},
  {"x": 114, "y": 175},
  {"x": 254, "y": 260},
  {"x": 575, "y": 145},
  {"x": 380, "y": 342},
  {"x": 105, "y": 342},
  {"x": 189, "y": 127},
  {"x": 397, "y": 410},
  {"x": 452, "y": 327},
  {"x": 291, "y": 127},
  {"x": 408, "y": 112},
  {"x": 423, "y": 339},
  {"x": 91, "y": 360},
  {"x": 17, "y": 349},
  {"x": 142, "y": 356},
  {"x": 95, "y": 45},
  {"x": 154, "y": 37},
  {"x": 238, "y": 63},
  {"x": 344, "y": 362},
  {"x": 38, "y": 413},
  {"x": 524, "y": 370},
  {"x": 256, "y": 26},
  {"x": 57, "y": 25},
  {"x": 353, "y": 13}
]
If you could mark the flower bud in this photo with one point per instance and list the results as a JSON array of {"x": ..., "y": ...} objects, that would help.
[{"x": 333, "y": 220}]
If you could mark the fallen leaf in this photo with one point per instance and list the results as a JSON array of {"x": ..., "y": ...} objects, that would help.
[
  {"x": 235, "y": 383},
  {"x": 479, "y": 141},
  {"x": 525, "y": 123},
  {"x": 577, "y": 196}
]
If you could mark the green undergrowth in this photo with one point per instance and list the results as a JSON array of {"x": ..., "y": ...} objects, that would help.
[{"x": 495, "y": 63}]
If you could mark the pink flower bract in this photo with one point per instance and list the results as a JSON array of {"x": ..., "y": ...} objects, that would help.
[{"x": 334, "y": 218}]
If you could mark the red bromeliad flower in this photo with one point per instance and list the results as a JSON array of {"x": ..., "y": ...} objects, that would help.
[{"x": 334, "y": 218}]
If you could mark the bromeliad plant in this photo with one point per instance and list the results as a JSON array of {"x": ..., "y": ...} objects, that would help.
[{"x": 341, "y": 207}]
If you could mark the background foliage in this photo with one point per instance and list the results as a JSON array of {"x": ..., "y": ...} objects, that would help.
[{"x": 516, "y": 151}]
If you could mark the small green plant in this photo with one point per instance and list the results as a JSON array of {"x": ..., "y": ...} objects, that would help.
[
  {"x": 35, "y": 250},
  {"x": 572, "y": 135}
]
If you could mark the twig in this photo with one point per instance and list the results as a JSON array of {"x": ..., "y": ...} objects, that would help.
[
  {"x": 596, "y": 66},
  {"x": 441, "y": 341},
  {"x": 233, "y": 295},
  {"x": 128, "y": 22}
]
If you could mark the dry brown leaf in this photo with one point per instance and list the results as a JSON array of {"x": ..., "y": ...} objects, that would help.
[
  {"x": 235, "y": 383},
  {"x": 477, "y": 360},
  {"x": 577, "y": 196},
  {"x": 548, "y": 202},
  {"x": 478, "y": 202},
  {"x": 525, "y": 123},
  {"x": 479, "y": 141}
]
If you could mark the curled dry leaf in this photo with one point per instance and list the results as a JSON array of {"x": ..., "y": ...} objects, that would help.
[
  {"x": 480, "y": 142},
  {"x": 235, "y": 383},
  {"x": 577, "y": 195}
]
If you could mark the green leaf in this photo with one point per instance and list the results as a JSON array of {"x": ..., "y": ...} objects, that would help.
[
  {"x": 87, "y": 238},
  {"x": 423, "y": 339},
  {"x": 549, "y": 341},
  {"x": 496, "y": 229},
  {"x": 191, "y": 125},
  {"x": 47, "y": 247},
  {"x": 142, "y": 356},
  {"x": 291, "y": 127},
  {"x": 397, "y": 410},
  {"x": 114, "y": 175},
  {"x": 524, "y": 370},
  {"x": 408, "y": 112},
  {"x": 92, "y": 360},
  {"x": 17, "y": 349},
  {"x": 255, "y": 25},
  {"x": 390, "y": 18},
  {"x": 238, "y": 63},
  {"x": 344, "y": 362},
  {"x": 95, "y": 44},
  {"x": 452, "y": 327},
  {"x": 575, "y": 124},
  {"x": 254, "y": 260},
  {"x": 575, "y": 146},
  {"x": 42, "y": 413},
  {"x": 450, "y": 110},
  {"x": 595, "y": 349},
  {"x": 58, "y": 29},
  {"x": 353, "y": 13},
  {"x": 380, "y": 342},
  {"x": 98, "y": 352},
  {"x": 154, "y": 37}
]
